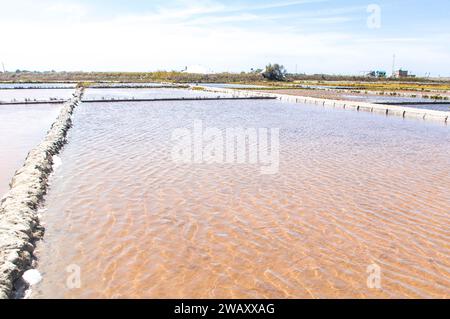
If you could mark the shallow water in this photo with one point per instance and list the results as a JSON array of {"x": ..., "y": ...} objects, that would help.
[
  {"x": 20, "y": 95},
  {"x": 135, "y": 85},
  {"x": 230, "y": 85},
  {"x": 402, "y": 99},
  {"x": 36, "y": 85},
  {"x": 22, "y": 128},
  {"x": 353, "y": 190},
  {"x": 94, "y": 94}
]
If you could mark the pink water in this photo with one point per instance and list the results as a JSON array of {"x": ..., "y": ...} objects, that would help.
[
  {"x": 353, "y": 190},
  {"x": 22, "y": 128}
]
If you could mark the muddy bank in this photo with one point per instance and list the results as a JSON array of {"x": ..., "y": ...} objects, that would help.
[{"x": 19, "y": 222}]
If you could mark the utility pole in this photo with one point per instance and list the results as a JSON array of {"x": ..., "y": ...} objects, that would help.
[{"x": 393, "y": 65}]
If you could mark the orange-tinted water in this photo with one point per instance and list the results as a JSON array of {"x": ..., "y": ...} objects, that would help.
[
  {"x": 22, "y": 127},
  {"x": 353, "y": 190}
]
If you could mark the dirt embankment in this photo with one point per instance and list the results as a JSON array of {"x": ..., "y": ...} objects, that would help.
[
  {"x": 19, "y": 223},
  {"x": 352, "y": 95}
]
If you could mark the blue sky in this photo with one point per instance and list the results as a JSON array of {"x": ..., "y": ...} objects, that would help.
[{"x": 312, "y": 36}]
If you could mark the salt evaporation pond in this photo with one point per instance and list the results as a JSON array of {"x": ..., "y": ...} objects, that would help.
[
  {"x": 354, "y": 191},
  {"x": 19, "y": 95},
  {"x": 402, "y": 99},
  {"x": 230, "y": 85},
  {"x": 37, "y": 85},
  {"x": 22, "y": 128},
  {"x": 131, "y": 85},
  {"x": 145, "y": 93}
]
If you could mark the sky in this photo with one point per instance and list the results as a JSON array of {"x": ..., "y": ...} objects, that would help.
[{"x": 306, "y": 36}]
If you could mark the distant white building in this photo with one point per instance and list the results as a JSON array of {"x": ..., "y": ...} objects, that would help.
[{"x": 197, "y": 69}]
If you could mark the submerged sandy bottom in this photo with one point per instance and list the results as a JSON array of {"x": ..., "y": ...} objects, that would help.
[
  {"x": 22, "y": 128},
  {"x": 353, "y": 190}
]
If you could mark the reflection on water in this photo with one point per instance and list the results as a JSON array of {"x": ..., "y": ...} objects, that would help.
[
  {"x": 22, "y": 128},
  {"x": 354, "y": 189}
]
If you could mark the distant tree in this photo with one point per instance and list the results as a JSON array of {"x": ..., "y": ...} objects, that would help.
[{"x": 275, "y": 72}]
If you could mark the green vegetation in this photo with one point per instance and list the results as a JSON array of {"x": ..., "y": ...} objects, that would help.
[
  {"x": 84, "y": 84},
  {"x": 198, "y": 88},
  {"x": 275, "y": 72}
]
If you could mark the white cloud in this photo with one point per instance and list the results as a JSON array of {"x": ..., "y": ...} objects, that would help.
[
  {"x": 191, "y": 35},
  {"x": 70, "y": 8}
]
